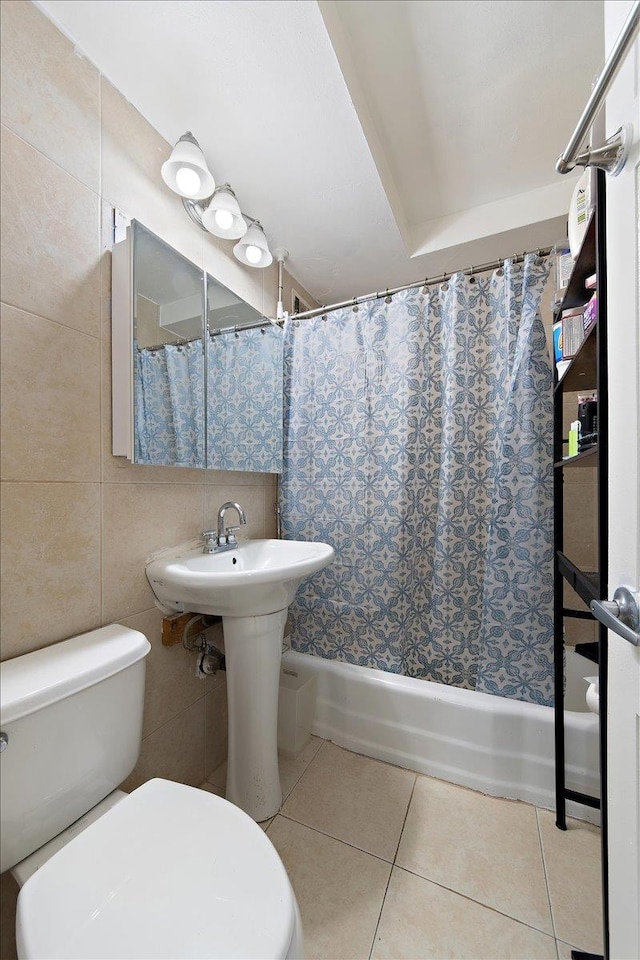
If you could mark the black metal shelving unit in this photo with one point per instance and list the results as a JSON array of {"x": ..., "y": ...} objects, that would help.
[{"x": 588, "y": 370}]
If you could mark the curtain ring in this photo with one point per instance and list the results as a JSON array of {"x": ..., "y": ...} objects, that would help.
[
  {"x": 472, "y": 278},
  {"x": 355, "y": 305},
  {"x": 235, "y": 332},
  {"x": 388, "y": 299},
  {"x": 425, "y": 289},
  {"x": 324, "y": 316}
]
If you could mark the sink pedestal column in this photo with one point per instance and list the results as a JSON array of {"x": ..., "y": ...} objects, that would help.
[{"x": 253, "y": 650}]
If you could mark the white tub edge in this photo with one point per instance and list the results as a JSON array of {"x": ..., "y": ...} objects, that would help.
[{"x": 498, "y": 746}]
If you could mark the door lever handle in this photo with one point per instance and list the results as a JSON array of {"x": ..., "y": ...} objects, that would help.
[{"x": 622, "y": 614}]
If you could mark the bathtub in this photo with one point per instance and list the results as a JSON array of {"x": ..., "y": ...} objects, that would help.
[{"x": 498, "y": 746}]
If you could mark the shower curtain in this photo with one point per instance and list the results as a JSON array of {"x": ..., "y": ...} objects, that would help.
[
  {"x": 169, "y": 404},
  {"x": 244, "y": 431},
  {"x": 418, "y": 442}
]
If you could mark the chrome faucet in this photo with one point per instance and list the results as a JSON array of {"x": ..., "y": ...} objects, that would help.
[{"x": 224, "y": 538}]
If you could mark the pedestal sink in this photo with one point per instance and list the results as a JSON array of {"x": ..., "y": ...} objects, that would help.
[{"x": 250, "y": 587}]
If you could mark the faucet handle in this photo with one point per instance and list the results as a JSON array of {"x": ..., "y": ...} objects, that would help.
[{"x": 209, "y": 535}]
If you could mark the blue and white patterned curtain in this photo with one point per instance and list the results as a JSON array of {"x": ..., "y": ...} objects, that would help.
[
  {"x": 418, "y": 442},
  {"x": 168, "y": 385},
  {"x": 244, "y": 428}
]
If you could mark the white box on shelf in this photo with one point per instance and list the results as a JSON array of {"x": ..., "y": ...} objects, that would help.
[{"x": 296, "y": 709}]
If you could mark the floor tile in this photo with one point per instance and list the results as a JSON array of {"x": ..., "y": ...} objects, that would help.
[
  {"x": 564, "y": 950},
  {"x": 422, "y": 920},
  {"x": 353, "y": 798},
  {"x": 482, "y": 847},
  {"x": 339, "y": 890},
  {"x": 291, "y": 770},
  {"x": 572, "y": 863}
]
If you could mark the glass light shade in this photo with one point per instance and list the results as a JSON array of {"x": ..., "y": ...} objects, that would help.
[
  {"x": 254, "y": 242},
  {"x": 186, "y": 163},
  {"x": 222, "y": 217}
]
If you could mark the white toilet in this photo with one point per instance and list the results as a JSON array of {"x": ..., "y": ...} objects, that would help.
[{"x": 165, "y": 871}]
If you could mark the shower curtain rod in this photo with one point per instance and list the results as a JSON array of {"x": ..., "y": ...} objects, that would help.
[
  {"x": 469, "y": 271},
  {"x": 238, "y": 328}
]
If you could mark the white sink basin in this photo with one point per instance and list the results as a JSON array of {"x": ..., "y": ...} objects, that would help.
[{"x": 258, "y": 577}]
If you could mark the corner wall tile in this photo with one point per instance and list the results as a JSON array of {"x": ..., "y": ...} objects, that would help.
[
  {"x": 50, "y": 239},
  {"x": 50, "y": 93},
  {"x": 216, "y": 725},
  {"x": 50, "y": 400},
  {"x": 139, "y": 518},
  {"x": 175, "y": 751},
  {"x": 50, "y": 570},
  {"x": 171, "y": 684}
]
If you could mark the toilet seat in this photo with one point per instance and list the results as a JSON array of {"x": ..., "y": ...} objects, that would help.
[{"x": 170, "y": 871}]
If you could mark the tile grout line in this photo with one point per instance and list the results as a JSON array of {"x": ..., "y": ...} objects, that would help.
[
  {"x": 487, "y": 906},
  {"x": 546, "y": 878},
  {"x": 56, "y": 163},
  {"x": 284, "y": 799},
  {"x": 386, "y": 889}
]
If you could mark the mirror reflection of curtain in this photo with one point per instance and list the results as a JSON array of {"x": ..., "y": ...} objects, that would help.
[
  {"x": 244, "y": 430},
  {"x": 418, "y": 442},
  {"x": 169, "y": 405}
]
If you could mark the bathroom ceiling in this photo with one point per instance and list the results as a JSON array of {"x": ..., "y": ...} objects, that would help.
[{"x": 379, "y": 141}]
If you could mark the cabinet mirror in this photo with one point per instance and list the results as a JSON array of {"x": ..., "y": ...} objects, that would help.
[{"x": 197, "y": 372}]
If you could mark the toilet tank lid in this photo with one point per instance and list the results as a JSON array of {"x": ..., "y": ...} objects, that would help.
[{"x": 36, "y": 680}]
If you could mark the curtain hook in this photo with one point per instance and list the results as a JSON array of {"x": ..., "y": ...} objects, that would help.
[
  {"x": 472, "y": 278},
  {"x": 324, "y": 316},
  {"x": 425, "y": 289},
  {"x": 355, "y": 305},
  {"x": 388, "y": 299},
  {"x": 235, "y": 332}
]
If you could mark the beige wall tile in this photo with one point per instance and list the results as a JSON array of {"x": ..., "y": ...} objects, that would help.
[
  {"x": 171, "y": 683},
  {"x": 235, "y": 478},
  {"x": 139, "y": 518},
  {"x": 50, "y": 563},
  {"x": 216, "y": 724},
  {"x": 339, "y": 890},
  {"x": 353, "y": 798},
  {"x": 572, "y": 863},
  {"x": 175, "y": 751},
  {"x": 50, "y": 93},
  {"x": 482, "y": 847},
  {"x": 50, "y": 400},
  {"x": 106, "y": 244},
  {"x": 250, "y": 498},
  {"x": 50, "y": 239},
  {"x": 270, "y": 517},
  {"x": 423, "y": 920},
  {"x": 132, "y": 155}
]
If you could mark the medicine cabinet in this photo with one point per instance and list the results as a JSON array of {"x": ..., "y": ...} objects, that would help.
[{"x": 197, "y": 372}]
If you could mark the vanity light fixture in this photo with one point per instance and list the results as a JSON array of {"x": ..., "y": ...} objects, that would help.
[
  {"x": 186, "y": 171},
  {"x": 187, "y": 174},
  {"x": 253, "y": 248},
  {"x": 223, "y": 217}
]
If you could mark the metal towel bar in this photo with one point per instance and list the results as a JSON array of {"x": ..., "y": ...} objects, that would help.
[{"x": 611, "y": 155}]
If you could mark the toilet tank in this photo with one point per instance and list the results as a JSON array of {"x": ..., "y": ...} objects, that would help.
[{"x": 72, "y": 717}]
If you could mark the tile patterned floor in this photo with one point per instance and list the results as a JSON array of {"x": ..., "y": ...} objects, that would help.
[{"x": 389, "y": 864}]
